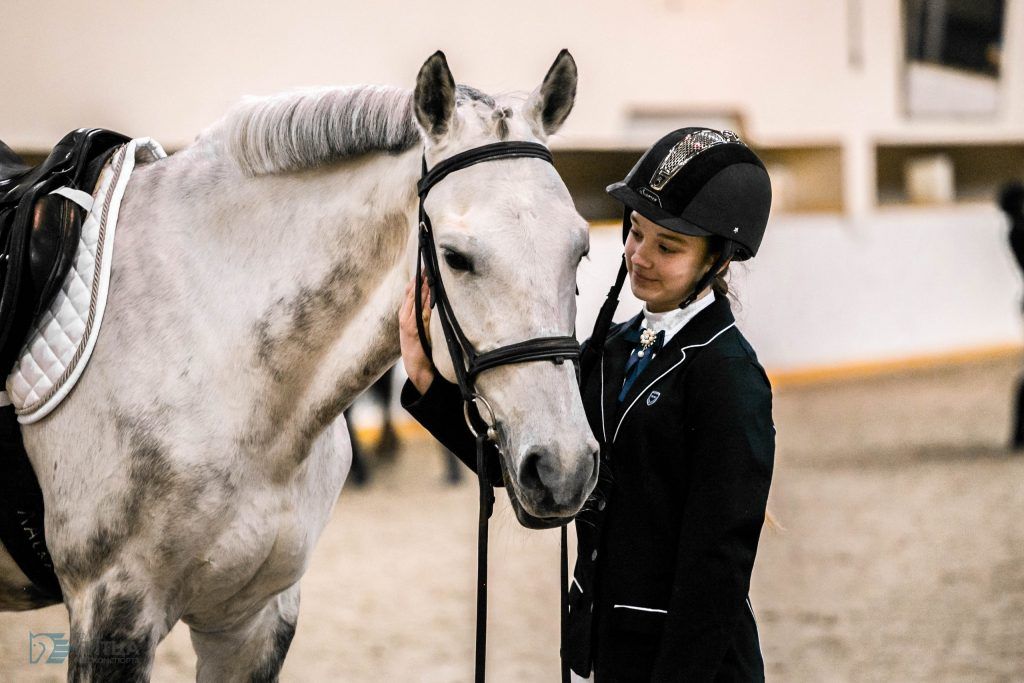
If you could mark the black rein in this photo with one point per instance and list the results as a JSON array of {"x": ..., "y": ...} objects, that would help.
[{"x": 469, "y": 363}]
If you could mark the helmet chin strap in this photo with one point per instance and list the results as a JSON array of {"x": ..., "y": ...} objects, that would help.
[{"x": 728, "y": 249}]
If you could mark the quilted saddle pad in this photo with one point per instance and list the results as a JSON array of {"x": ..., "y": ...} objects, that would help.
[{"x": 62, "y": 339}]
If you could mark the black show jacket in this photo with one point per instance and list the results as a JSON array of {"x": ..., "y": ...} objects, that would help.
[{"x": 666, "y": 543}]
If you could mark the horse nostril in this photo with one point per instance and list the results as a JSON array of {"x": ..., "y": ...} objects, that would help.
[
  {"x": 529, "y": 471},
  {"x": 549, "y": 481}
]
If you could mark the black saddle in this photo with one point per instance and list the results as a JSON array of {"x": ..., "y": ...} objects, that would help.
[
  {"x": 39, "y": 235},
  {"x": 39, "y": 231}
]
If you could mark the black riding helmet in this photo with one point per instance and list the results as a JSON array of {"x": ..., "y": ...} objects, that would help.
[
  {"x": 694, "y": 181},
  {"x": 699, "y": 181}
]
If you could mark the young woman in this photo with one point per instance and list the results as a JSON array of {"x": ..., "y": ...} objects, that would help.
[{"x": 682, "y": 408}]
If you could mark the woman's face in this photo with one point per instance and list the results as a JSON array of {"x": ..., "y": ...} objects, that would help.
[{"x": 663, "y": 265}]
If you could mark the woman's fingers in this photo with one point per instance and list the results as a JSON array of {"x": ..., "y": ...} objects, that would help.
[
  {"x": 406, "y": 309},
  {"x": 409, "y": 308},
  {"x": 417, "y": 365}
]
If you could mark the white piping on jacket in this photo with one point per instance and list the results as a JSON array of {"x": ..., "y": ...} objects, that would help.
[
  {"x": 604, "y": 432},
  {"x": 657, "y": 379},
  {"x": 641, "y": 609}
]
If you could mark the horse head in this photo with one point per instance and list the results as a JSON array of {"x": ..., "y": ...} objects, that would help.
[{"x": 508, "y": 242}]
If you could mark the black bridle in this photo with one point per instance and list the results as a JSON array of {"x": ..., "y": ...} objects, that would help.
[
  {"x": 557, "y": 349},
  {"x": 469, "y": 363}
]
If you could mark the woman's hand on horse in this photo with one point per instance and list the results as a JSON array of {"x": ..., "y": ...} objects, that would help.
[{"x": 417, "y": 365}]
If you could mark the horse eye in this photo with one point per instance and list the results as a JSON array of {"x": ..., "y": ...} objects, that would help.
[{"x": 457, "y": 261}]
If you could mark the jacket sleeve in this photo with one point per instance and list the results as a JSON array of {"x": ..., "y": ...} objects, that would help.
[
  {"x": 730, "y": 454},
  {"x": 440, "y": 412}
]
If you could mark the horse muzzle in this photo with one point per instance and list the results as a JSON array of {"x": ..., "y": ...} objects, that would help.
[
  {"x": 544, "y": 496},
  {"x": 525, "y": 518}
]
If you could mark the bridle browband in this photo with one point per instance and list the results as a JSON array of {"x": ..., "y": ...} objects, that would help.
[{"x": 469, "y": 363}]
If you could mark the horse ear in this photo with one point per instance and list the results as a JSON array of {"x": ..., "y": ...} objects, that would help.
[
  {"x": 434, "y": 97},
  {"x": 550, "y": 104}
]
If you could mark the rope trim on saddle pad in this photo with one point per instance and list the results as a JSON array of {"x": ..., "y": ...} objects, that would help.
[{"x": 63, "y": 338}]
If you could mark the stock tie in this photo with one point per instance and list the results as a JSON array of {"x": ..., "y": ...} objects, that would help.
[{"x": 647, "y": 343}]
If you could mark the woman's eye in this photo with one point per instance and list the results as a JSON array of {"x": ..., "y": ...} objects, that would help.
[{"x": 457, "y": 261}]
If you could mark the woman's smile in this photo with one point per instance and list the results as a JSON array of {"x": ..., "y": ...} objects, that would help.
[{"x": 643, "y": 280}]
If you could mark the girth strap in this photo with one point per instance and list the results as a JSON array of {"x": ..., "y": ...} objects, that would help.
[{"x": 22, "y": 531}]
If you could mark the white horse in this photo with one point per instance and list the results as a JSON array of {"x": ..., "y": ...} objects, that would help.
[{"x": 255, "y": 290}]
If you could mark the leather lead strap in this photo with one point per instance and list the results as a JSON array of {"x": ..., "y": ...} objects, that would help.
[
  {"x": 486, "y": 506},
  {"x": 592, "y": 354},
  {"x": 604, "y": 317},
  {"x": 564, "y": 562}
]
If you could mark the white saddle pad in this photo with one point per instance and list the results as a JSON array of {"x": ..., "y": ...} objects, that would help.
[{"x": 62, "y": 339}]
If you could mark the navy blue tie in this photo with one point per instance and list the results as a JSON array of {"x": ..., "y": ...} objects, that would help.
[{"x": 637, "y": 363}]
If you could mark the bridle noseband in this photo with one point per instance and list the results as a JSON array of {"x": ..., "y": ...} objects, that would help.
[{"x": 469, "y": 363}]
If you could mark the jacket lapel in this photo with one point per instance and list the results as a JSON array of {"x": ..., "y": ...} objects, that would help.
[
  {"x": 703, "y": 327},
  {"x": 613, "y": 367}
]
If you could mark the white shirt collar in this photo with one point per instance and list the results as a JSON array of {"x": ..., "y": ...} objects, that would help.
[{"x": 674, "y": 320}]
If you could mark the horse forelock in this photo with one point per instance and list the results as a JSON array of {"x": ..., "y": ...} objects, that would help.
[
  {"x": 492, "y": 112},
  {"x": 467, "y": 93},
  {"x": 313, "y": 128}
]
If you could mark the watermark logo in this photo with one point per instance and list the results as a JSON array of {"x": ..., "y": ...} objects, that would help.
[{"x": 54, "y": 646}]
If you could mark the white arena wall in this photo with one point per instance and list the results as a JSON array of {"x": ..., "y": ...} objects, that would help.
[
  {"x": 862, "y": 284},
  {"x": 796, "y": 70},
  {"x": 828, "y": 291}
]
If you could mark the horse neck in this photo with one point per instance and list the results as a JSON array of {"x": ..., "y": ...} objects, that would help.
[{"x": 301, "y": 274}]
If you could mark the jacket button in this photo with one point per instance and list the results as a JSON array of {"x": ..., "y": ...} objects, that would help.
[
  {"x": 601, "y": 504},
  {"x": 593, "y": 556}
]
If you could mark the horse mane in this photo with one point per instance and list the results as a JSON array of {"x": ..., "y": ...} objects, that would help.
[{"x": 311, "y": 128}]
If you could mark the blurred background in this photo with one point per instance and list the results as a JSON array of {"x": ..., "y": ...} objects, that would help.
[{"x": 885, "y": 303}]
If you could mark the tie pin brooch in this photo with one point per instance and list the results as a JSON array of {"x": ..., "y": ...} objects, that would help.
[{"x": 647, "y": 338}]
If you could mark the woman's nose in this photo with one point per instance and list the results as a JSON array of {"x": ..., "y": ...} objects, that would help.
[{"x": 639, "y": 259}]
